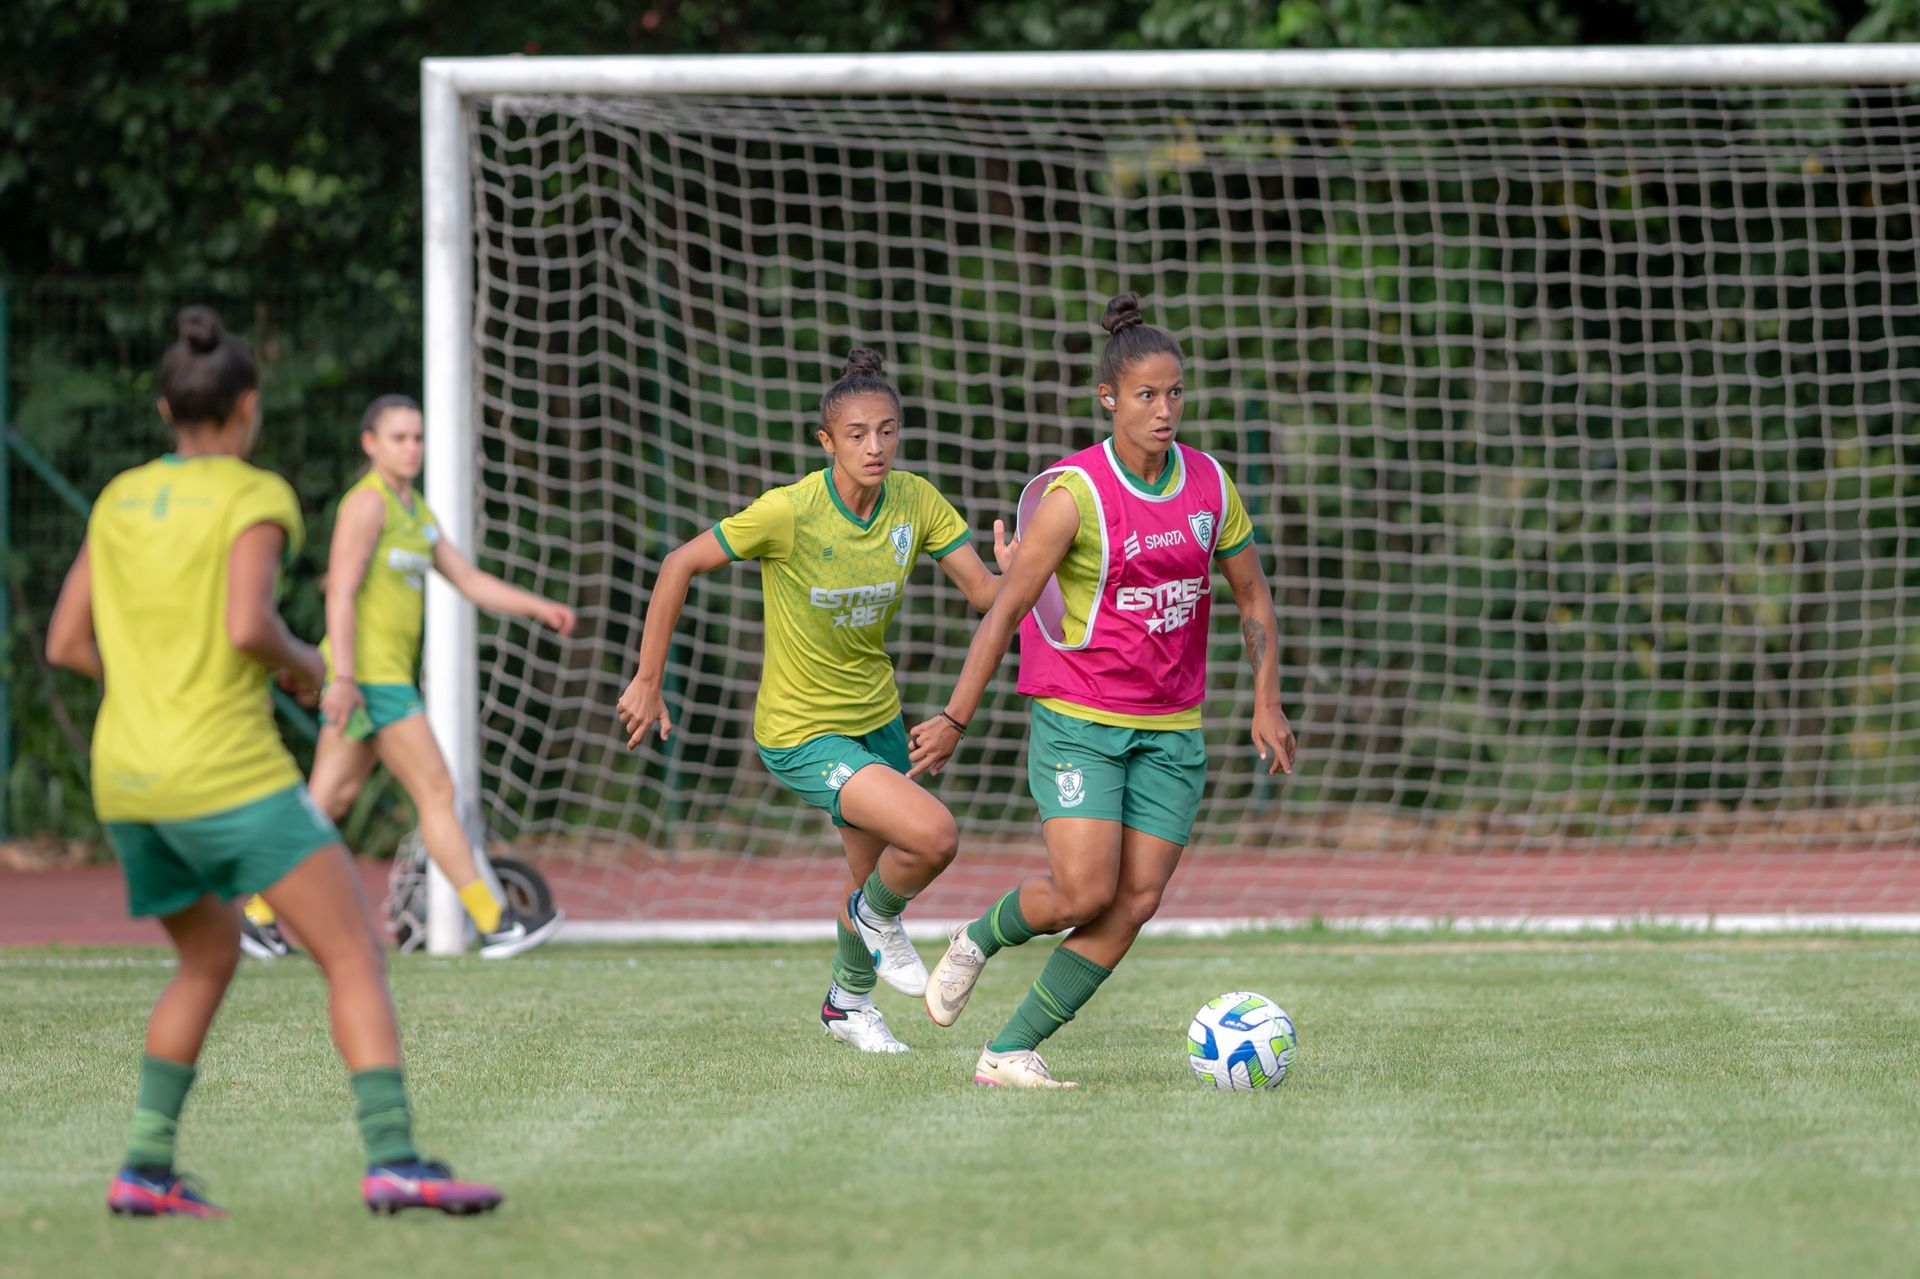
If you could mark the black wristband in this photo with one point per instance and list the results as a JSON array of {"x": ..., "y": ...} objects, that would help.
[{"x": 957, "y": 725}]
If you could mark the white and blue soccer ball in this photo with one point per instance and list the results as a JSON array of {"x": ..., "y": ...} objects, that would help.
[{"x": 1240, "y": 1042}]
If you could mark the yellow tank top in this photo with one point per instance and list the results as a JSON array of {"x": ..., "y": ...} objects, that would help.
[
  {"x": 186, "y": 728},
  {"x": 390, "y": 608}
]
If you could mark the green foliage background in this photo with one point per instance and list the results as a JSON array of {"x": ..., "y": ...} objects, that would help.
[{"x": 264, "y": 155}]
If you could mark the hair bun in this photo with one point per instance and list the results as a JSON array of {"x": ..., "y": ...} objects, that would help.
[
  {"x": 199, "y": 328},
  {"x": 1123, "y": 313},
  {"x": 864, "y": 361}
]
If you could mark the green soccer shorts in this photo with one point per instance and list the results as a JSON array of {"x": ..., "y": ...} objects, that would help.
[
  {"x": 1149, "y": 779},
  {"x": 817, "y": 768}
]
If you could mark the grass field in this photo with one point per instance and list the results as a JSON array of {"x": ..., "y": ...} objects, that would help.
[{"x": 1486, "y": 1108}]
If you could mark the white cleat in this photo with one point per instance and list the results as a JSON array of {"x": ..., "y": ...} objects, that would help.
[
  {"x": 1021, "y": 1068},
  {"x": 894, "y": 957},
  {"x": 864, "y": 1028},
  {"x": 953, "y": 978}
]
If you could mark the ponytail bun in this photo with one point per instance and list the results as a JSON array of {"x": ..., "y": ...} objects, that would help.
[
  {"x": 1123, "y": 313},
  {"x": 864, "y": 361},
  {"x": 1131, "y": 339},
  {"x": 199, "y": 327},
  {"x": 865, "y": 375},
  {"x": 206, "y": 370}
]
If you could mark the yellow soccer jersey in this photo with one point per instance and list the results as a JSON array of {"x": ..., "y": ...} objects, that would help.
[
  {"x": 1079, "y": 578},
  {"x": 390, "y": 608},
  {"x": 830, "y": 585},
  {"x": 186, "y": 728}
]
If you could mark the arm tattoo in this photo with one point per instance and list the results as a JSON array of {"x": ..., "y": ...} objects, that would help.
[{"x": 1256, "y": 636}]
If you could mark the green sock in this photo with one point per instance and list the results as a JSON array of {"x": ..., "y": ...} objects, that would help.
[
  {"x": 380, "y": 1104},
  {"x": 156, "y": 1115},
  {"x": 881, "y": 900},
  {"x": 1065, "y": 985},
  {"x": 1001, "y": 926},
  {"x": 853, "y": 962}
]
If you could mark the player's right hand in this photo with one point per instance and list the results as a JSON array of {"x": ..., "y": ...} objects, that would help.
[
  {"x": 641, "y": 707},
  {"x": 1004, "y": 546}
]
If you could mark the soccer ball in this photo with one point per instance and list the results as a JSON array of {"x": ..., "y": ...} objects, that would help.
[{"x": 1240, "y": 1042}]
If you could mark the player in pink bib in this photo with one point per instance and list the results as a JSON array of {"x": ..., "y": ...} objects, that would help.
[{"x": 1112, "y": 593}]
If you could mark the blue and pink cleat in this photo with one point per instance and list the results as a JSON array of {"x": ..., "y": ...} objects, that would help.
[
  {"x": 138, "y": 1194},
  {"x": 417, "y": 1183}
]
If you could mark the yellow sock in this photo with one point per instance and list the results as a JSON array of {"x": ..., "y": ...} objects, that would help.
[
  {"x": 478, "y": 899},
  {"x": 258, "y": 910}
]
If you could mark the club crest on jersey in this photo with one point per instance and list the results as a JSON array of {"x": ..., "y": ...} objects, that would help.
[
  {"x": 839, "y": 777},
  {"x": 1202, "y": 524},
  {"x": 1073, "y": 787},
  {"x": 901, "y": 535}
]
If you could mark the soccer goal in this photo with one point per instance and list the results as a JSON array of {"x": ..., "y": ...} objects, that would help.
[{"x": 1571, "y": 392}]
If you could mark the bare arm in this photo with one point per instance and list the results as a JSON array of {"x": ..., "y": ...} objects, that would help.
[
  {"x": 641, "y": 706},
  {"x": 489, "y": 592},
  {"x": 966, "y": 571},
  {"x": 355, "y": 535},
  {"x": 1272, "y": 734},
  {"x": 70, "y": 639},
  {"x": 254, "y": 624},
  {"x": 1043, "y": 547}
]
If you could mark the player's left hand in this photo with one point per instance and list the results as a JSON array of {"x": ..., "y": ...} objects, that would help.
[
  {"x": 641, "y": 707},
  {"x": 933, "y": 743},
  {"x": 556, "y": 617},
  {"x": 1274, "y": 736},
  {"x": 1003, "y": 546}
]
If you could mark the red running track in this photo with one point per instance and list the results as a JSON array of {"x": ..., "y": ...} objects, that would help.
[{"x": 85, "y": 906}]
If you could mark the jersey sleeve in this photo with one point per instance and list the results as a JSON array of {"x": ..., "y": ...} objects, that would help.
[
  {"x": 266, "y": 498},
  {"x": 946, "y": 531},
  {"x": 764, "y": 531},
  {"x": 1236, "y": 530}
]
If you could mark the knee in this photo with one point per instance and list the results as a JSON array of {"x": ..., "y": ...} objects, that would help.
[
  {"x": 335, "y": 799},
  {"x": 435, "y": 795},
  {"x": 936, "y": 843},
  {"x": 214, "y": 961},
  {"x": 943, "y": 841},
  {"x": 1137, "y": 905},
  {"x": 363, "y": 960},
  {"x": 1081, "y": 903}
]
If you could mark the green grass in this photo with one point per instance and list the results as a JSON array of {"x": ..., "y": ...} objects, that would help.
[{"x": 1458, "y": 1107}]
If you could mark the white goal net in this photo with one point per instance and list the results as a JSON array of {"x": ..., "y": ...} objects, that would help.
[{"x": 1575, "y": 420}]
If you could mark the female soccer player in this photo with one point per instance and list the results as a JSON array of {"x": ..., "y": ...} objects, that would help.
[
  {"x": 384, "y": 542},
  {"x": 1111, "y": 595},
  {"x": 171, "y": 603},
  {"x": 835, "y": 551}
]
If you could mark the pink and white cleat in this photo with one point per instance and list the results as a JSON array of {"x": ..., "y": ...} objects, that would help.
[{"x": 418, "y": 1183}]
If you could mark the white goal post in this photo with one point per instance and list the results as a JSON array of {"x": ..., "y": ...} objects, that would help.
[{"x": 456, "y": 93}]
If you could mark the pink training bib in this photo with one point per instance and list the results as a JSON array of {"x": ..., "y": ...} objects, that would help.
[{"x": 1145, "y": 649}]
